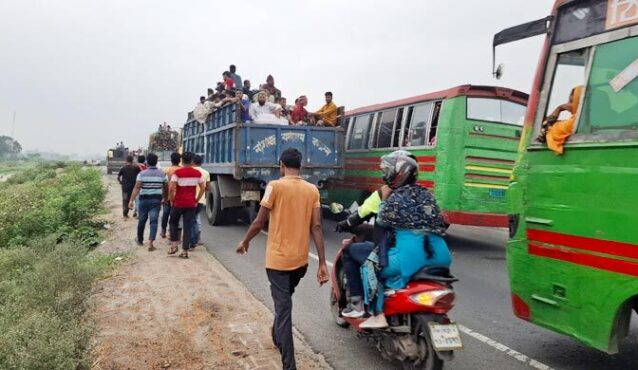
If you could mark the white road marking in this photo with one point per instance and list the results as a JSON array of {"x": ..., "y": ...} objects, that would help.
[{"x": 480, "y": 337}]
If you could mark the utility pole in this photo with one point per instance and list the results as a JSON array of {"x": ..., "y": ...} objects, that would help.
[{"x": 13, "y": 125}]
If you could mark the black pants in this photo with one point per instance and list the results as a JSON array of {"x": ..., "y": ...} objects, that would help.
[
  {"x": 282, "y": 286},
  {"x": 126, "y": 198},
  {"x": 166, "y": 212},
  {"x": 187, "y": 224}
]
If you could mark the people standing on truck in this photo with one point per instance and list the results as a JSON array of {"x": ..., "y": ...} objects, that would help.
[
  {"x": 294, "y": 209},
  {"x": 166, "y": 209},
  {"x": 236, "y": 78},
  {"x": 270, "y": 87},
  {"x": 326, "y": 115},
  {"x": 246, "y": 90},
  {"x": 244, "y": 106},
  {"x": 184, "y": 197},
  {"x": 152, "y": 188},
  {"x": 201, "y": 205},
  {"x": 228, "y": 81},
  {"x": 285, "y": 109},
  {"x": 127, "y": 178},
  {"x": 299, "y": 115}
]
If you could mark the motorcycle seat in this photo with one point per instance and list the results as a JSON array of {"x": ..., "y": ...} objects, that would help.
[{"x": 435, "y": 273}]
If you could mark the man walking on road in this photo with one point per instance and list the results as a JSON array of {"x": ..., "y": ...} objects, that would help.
[
  {"x": 197, "y": 225},
  {"x": 166, "y": 208},
  {"x": 295, "y": 213},
  {"x": 152, "y": 188},
  {"x": 184, "y": 196},
  {"x": 127, "y": 178}
]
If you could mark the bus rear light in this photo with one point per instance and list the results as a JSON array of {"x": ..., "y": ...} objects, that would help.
[{"x": 521, "y": 309}]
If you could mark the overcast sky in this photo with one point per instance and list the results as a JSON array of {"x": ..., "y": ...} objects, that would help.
[{"x": 83, "y": 74}]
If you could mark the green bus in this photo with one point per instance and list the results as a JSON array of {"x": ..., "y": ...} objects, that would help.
[
  {"x": 465, "y": 139},
  {"x": 573, "y": 250}
]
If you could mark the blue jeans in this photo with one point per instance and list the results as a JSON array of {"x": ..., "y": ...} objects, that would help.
[
  {"x": 197, "y": 225},
  {"x": 148, "y": 209},
  {"x": 353, "y": 257}
]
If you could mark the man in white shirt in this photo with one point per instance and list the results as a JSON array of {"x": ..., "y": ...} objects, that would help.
[{"x": 265, "y": 111}]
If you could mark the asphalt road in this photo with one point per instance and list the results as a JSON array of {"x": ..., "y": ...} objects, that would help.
[{"x": 493, "y": 338}]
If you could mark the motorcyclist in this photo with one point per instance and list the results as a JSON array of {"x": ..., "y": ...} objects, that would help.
[
  {"x": 413, "y": 222},
  {"x": 360, "y": 246}
]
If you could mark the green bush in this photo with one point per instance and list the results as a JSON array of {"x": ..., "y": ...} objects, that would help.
[{"x": 46, "y": 272}]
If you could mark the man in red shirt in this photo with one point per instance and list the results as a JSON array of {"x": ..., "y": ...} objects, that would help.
[
  {"x": 184, "y": 196},
  {"x": 299, "y": 114},
  {"x": 229, "y": 84}
]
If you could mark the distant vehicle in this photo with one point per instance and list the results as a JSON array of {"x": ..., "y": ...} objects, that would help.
[
  {"x": 116, "y": 158},
  {"x": 242, "y": 158},
  {"x": 465, "y": 140},
  {"x": 573, "y": 249},
  {"x": 163, "y": 142}
]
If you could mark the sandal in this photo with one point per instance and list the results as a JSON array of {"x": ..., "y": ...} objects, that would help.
[
  {"x": 173, "y": 250},
  {"x": 151, "y": 248},
  {"x": 183, "y": 255}
]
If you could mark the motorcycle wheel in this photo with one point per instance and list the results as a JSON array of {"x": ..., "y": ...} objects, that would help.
[{"x": 428, "y": 360}]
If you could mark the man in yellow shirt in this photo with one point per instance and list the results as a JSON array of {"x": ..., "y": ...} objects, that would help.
[
  {"x": 166, "y": 207},
  {"x": 295, "y": 213},
  {"x": 327, "y": 115}
]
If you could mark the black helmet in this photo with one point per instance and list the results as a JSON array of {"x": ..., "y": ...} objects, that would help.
[{"x": 399, "y": 168}]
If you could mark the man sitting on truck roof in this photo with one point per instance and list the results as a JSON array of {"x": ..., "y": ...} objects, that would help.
[
  {"x": 299, "y": 115},
  {"x": 327, "y": 115},
  {"x": 265, "y": 111}
]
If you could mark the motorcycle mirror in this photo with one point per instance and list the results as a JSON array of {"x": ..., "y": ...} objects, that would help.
[{"x": 336, "y": 208}]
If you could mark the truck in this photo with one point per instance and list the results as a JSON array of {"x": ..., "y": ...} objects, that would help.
[
  {"x": 116, "y": 157},
  {"x": 243, "y": 157},
  {"x": 163, "y": 142}
]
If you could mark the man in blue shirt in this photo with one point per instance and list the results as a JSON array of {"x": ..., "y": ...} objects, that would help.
[
  {"x": 235, "y": 77},
  {"x": 152, "y": 188}
]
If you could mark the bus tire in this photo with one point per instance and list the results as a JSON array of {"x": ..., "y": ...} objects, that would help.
[{"x": 214, "y": 213}]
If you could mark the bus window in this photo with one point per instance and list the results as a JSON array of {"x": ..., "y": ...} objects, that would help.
[
  {"x": 419, "y": 126},
  {"x": 570, "y": 72},
  {"x": 359, "y": 132},
  {"x": 495, "y": 110},
  {"x": 397, "y": 129},
  {"x": 406, "y": 127},
  {"x": 435, "y": 124},
  {"x": 385, "y": 128},
  {"x": 611, "y": 101}
]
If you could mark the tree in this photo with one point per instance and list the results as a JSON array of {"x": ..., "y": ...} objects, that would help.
[{"x": 9, "y": 147}]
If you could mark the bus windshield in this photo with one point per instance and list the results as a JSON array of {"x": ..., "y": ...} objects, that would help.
[{"x": 496, "y": 110}]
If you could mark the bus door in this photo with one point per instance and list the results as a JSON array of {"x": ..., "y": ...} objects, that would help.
[{"x": 580, "y": 207}]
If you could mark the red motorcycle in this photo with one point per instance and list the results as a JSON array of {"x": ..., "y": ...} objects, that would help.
[{"x": 420, "y": 334}]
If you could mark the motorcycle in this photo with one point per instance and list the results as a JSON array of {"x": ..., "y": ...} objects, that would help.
[{"x": 420, "y": 334}]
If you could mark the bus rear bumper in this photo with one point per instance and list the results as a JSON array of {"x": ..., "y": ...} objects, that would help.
[{"x": 476, "y": 219}]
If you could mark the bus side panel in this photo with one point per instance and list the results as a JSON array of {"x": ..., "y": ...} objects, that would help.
[{"x": 578, "y": 229}]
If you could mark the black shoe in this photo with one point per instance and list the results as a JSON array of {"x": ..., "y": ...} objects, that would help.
[{"x": 139, "y": 242}]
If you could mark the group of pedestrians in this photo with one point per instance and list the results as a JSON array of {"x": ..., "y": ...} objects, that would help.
[{"x": 178, "y": 192}]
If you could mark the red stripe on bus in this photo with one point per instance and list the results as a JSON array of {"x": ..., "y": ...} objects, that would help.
[
  {"x": 601, "y": 263},
  {"x": 579, "y": 242},
  {"x": 475, "y": 219},
  {"x": 361, "y": 182},
  {"x": 423, "y": 167}
]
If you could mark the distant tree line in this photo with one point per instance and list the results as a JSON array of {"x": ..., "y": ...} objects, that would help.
[{"x": 9, "y": 147}]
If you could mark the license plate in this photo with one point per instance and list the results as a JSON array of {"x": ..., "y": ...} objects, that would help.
[
  {"x": 497, "y": 193},
  {"x": 445, "y": 337}
]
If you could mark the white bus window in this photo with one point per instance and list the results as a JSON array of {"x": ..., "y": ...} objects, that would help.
[
  {"x": 570, "y": 72},
  {"x": 359, "y": 132},
  {"x": 385, "y": 129},
  {"x": 495, "y": 110},
  {"x": 418, "y": 132},
  {"x": 434, "y": 125}
]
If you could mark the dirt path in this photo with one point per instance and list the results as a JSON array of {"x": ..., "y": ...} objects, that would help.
[{"x": 160, "y": 312}]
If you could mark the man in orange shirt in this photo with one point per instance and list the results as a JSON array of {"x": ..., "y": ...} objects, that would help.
[
  {"x": 295, "y": 213},
  {"x": 327, "y": 115}
]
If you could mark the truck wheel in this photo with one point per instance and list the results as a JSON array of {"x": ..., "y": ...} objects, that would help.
[{"x": 214, "y": 212}]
